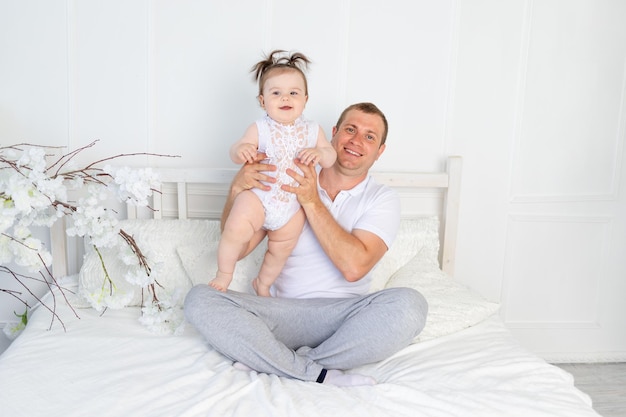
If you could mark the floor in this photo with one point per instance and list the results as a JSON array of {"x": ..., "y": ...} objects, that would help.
[{"x": 605, "y": 383}]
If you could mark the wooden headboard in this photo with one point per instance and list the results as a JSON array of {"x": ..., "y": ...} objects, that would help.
[{"x": 200, "y": 194}]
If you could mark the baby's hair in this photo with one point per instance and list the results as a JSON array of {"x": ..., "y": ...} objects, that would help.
[{"x": 276, "y": 60}]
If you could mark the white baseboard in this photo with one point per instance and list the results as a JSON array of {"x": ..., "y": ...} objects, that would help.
[{"x": 586, "y": 357}]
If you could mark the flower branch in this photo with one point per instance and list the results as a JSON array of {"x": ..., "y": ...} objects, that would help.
[{"x": 34, "y": 192}]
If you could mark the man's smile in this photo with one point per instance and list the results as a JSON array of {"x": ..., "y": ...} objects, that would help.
[{"x": 351, "y": 152}]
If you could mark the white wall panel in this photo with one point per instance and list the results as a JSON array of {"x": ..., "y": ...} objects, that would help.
[
  {"x": 480, "y": 129},
  {"x": 400, "y": 58},
  {"x": 554, "y": 268},
  {"x": 108, "y": 76},
  {"x": 561, "y": 270},
  {"x": 202, "y": 96},
  {"x": 33, "y": 72},
  {"x": 322, "y": 36},
  {"x": 570, "y": 119}
]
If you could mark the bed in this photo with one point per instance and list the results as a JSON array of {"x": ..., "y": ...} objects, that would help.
[{"x": 464, "y": 363}]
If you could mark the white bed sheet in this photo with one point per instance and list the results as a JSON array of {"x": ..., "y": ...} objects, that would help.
[{"x": 113, "y": 366}]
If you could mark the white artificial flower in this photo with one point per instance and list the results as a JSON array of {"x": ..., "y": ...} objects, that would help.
[
  {"x": 128, "y": 257},
  {"x": 24, "y": 250},
  {"x": 32, "y": 194},
  {"x": 134, "y": 186},
  {"x": 138, "y": 276},
  {"x": 105, "y": 298},
  {"x": 156, "y": 268},
  {"x": 75, "y": 183},
  {"x": 33, "y": 158},
  {"x": 21, "y": 232},
  {"x": 95, "y": 222},
  {"x": 165, "y": 316},
  {"x": 7, "y": 216},
  {"x": 20, "y": 191},
  {"x": 30, "y": 253},
  {"x": 52, "y": 188},
  {"x": 6, "y": 255}
]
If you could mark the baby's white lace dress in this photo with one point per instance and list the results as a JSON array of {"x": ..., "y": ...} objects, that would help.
[{"x": 281, "y": 143}]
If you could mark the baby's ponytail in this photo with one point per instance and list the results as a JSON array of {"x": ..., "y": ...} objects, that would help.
[{"x": 275, "y": 60}]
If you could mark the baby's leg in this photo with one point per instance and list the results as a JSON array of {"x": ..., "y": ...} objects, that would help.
[
  {"x": 280, "y": 243},
  {"x": 244, "y": 221}
]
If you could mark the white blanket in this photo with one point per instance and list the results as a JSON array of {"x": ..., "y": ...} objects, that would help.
[{"x": 111, "y": 365}]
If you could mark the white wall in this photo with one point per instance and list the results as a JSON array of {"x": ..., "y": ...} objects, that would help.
[{"x": 530, "y": 93}]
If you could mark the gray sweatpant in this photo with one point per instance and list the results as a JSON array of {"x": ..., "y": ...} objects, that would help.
[{"x": 298, "y": 338}]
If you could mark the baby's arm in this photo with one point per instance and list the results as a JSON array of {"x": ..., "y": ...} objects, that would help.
[
  {"x": 323, "y": 153},
  {"x": 245, "y": 149}
]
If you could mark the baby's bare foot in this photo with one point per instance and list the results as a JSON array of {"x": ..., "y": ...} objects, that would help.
[
  {"x": 221, "y": 281},
  {"x": 215, "y": 284},
  {"x": 260, "y": 288}
]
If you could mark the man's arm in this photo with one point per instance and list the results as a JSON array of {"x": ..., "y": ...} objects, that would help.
[
  {"x": 249, "y": 176},
  {"x": 354, "y": 254}
]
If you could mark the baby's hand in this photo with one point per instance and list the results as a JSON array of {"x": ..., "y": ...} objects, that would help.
[
  {"x": 247, "y": 152},
  {"x": 309, "y": 156}
]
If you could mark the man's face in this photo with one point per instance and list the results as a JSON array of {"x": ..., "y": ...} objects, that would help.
[{"x": 357, "y": 141}]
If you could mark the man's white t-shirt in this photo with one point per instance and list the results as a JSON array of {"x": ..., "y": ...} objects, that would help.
[{"x": 309, "y": 272}]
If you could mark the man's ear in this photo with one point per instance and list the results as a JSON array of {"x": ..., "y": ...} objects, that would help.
[
  {"x": 381, "y": 149},
  {"x": 332, "y": 134}
]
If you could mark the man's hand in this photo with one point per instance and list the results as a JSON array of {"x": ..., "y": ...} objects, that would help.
[
  {"x": 353, "y": 253},
  {"x": 251, "y": 175},
  {"x": 248, "y": 177},
  {"x": 306, "y": 192}
]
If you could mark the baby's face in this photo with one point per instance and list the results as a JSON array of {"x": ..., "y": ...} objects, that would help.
[{"x": 284, "y": 96}]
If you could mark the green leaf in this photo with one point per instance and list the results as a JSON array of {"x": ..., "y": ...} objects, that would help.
[{"x": 23, "y": 317}]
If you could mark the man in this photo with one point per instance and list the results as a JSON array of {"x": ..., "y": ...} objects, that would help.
[{"x": 321, "y": 319}]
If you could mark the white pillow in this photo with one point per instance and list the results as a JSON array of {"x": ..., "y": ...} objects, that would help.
[
  {"x": 158, "y": 240},
  {"x": 200, "y": 264},
  {"x": 451, "y": 306},
  {"x": 419, "y": 235},
  {"x": 414, "y": 235}
]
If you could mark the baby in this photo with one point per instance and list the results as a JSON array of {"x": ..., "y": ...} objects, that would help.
[{"x": 282, "y": 135}]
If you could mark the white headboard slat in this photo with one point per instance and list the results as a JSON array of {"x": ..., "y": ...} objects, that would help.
[{"x": 200, "y": 193}]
